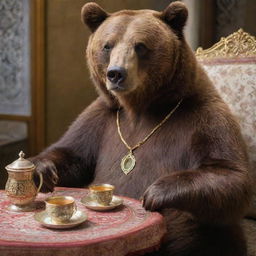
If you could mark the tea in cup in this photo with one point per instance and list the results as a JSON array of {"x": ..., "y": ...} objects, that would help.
[
  {"x": 102, "y": 193},
  {"x": 60, "y": 208}
]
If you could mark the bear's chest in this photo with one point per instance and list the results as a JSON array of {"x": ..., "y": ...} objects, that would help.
[{"x": 161, "y": 154}]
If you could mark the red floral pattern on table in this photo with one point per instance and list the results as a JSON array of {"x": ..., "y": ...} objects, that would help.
[{"x": 122, "y": 231}]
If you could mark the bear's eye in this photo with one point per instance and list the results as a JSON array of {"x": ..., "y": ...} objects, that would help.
[
  {"x": 107, "y": 47},
  {"x": 141, "y": 49}
]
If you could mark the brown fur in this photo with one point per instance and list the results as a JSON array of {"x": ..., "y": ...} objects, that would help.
[{"x": 193, "y": 169}]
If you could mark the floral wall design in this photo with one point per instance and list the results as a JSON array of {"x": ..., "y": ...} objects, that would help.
[{"x": 15, "y": 95}]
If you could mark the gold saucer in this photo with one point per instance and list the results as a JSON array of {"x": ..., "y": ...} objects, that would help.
[
  {"x": 43, "y": 218},
  {"x": 37, "y": 205},
  {"x": 91, "y": 204}
]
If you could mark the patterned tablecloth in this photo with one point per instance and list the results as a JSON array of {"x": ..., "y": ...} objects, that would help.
[{"x": 127, "y": 230}]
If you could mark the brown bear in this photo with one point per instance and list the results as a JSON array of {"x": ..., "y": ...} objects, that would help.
[{"x": 186, "y": 158}]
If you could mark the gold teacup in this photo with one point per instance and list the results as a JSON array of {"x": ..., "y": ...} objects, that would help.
[
  {"x": 102, "y": 193},
  {"x": 60, "y": 208}
]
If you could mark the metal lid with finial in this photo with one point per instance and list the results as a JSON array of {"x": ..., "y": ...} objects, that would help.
[{"x": 20, "y": 164}]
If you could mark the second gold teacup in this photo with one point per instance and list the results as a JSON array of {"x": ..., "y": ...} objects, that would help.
[
  {"x": 60, "y": 208},
  {"x": 102, "y": 193}
]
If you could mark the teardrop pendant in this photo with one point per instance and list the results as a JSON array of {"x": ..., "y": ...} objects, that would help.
[{"x": 128, "y": 163}]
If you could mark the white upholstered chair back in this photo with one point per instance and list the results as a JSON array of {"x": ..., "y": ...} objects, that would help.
[{"x": 231, "y": 65}]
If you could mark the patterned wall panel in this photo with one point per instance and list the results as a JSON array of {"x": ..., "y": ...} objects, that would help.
[
  {"x": 14, "y": 57},
  {"x": 230, "y": 16}
]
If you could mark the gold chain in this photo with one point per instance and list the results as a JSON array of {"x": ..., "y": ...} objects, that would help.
[{"x": 150, "y": 134}]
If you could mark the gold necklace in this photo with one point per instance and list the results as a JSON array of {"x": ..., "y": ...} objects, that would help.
[{"x": 128, "y": 161}]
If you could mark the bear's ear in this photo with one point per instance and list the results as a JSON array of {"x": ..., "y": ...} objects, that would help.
[
  {"x": 93, "y": 15},
  {"x": 175, "y": 15}
]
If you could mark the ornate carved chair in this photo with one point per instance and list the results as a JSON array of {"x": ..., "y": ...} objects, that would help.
[{"x": 231, "y": 65}]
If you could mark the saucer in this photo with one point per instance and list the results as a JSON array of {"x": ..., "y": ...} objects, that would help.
[
  {"x": 36, "y": 205},
  {"x": 91, "y": 204},
  {"x": 43, "y": 218}
]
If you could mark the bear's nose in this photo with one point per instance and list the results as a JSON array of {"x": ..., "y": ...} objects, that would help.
[{"x": 116, "y": 75}]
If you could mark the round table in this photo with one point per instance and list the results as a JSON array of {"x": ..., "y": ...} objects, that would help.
[{"x": 126, "y": 230}]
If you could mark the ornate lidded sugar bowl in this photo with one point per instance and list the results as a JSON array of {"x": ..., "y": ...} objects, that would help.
[{"x": 20, "y": 187}]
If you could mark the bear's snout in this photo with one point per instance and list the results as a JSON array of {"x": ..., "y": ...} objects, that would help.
[{"x": 116, "y": 75}]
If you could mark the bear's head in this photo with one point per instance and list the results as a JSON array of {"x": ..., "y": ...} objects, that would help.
[{"x": 134, "y": 55}]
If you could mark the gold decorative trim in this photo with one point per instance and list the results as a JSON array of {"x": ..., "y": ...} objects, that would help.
[{"x": 238, "y": 44}]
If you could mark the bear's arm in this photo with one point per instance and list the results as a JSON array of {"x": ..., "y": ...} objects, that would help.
[
  {"x": 217, "y": 189},
  {"x": 71, "y": 161}
]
